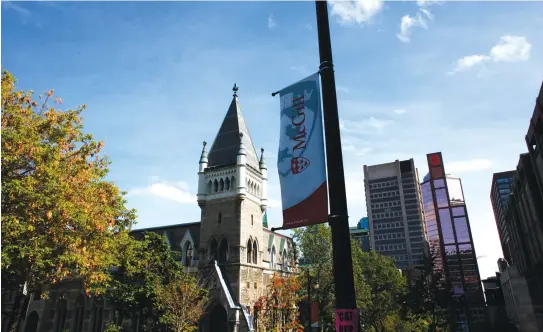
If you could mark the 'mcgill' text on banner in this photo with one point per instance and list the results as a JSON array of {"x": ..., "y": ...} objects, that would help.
[{"x": 301, "y": 162}]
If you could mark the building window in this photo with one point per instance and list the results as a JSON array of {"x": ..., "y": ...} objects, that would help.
[
  {"x": 272, "y": 257},
  {"x": 188, "y": 254},
  {"x": 252, "y": 220},
  {"x": 219, "y": 219},
  {"x": 249, "y": 251},
  {"x": 213, "y": 248},
  {"x": 79, "y": 311},
  {"x": 223, "y": 251},
  {"x": 255, "y": 252},
  {"x": 215, "y": 186},
  {"x": 98, "y": 314},
  {"x": 255, "y": 285},
  {"x": 61, "y": 314},
  {"x": 227, "y": 184},
  {"x": 209, "y": 186}
]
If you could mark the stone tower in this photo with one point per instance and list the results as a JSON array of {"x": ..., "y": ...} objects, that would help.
[{"x": 232, "y": 195}]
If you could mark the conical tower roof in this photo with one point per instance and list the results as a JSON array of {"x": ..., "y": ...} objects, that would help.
[{"x": 225, "y": 148}]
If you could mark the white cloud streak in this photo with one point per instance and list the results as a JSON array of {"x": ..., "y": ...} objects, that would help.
[
  {"x": 364, "y": 126},
  {"x": 358, "y": 11},
  {"x": 468, "y": 165},
  {"x": 508, "y": 49},
  {"x": 175, "y": 191}
]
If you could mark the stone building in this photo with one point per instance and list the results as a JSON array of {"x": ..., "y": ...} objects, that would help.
[{"x": 231, "y": 246}]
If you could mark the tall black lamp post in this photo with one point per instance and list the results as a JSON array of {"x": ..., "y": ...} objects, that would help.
[{"x": 338, "y": 219}]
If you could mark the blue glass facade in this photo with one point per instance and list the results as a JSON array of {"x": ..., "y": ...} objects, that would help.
[{"x": 499, "y": 196}]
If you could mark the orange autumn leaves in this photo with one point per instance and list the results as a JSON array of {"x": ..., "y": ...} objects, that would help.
[
  {"x": 60, "y": 217},
  {"x": 277, "y": 310}
]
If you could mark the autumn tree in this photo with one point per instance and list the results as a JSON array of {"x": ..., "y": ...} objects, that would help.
[
  {"x": 277, "y": 309},
  {"x": 182, "y": 302},
  {"x": 61, "y": 218}
]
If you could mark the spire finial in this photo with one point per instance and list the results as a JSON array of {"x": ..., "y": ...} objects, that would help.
[
  {"x": 262, "y": 162},
  {"x": 203, "y": 156},
  {"x": 235, "y": 89}
]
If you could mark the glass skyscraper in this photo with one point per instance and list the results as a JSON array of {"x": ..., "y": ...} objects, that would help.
[
  {"x": 451, "y": 242},
  {"x": 499, "y": 196}
]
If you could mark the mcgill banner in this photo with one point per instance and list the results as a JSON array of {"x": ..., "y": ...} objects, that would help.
[{"x": 301, "y": 162}]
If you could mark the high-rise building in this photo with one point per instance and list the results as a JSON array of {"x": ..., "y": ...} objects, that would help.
[
  {"x": 451, "y": 242},
  {"x": 395, "y": 215},
  {"x": 499, "y": 196}
]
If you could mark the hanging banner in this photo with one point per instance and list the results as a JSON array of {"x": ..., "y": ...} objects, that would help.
[{"x": 301, "y": 162}]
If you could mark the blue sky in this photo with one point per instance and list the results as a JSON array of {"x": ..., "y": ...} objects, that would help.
[{"x": 412, "y": 78}]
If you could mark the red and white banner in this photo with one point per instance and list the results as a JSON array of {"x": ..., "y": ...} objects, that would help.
[{"x": 301, "y": 162}]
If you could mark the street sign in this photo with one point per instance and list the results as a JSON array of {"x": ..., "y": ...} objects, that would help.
[{"x": 347, "y": 320}]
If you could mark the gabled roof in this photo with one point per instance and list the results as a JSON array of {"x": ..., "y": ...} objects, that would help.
[
  {"x": 174, "y": 233},
  {"x": 225, "y": 148}
]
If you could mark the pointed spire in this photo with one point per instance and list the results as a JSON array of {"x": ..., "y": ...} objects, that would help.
[
  {"x": 225, "y": 147},
  {"x": 203, "y": 157},
  {"x": 262, "y": 160}
]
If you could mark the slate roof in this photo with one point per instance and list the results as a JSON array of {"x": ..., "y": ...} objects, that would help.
[
  {"x": 225, "y": 148},
  {"x": 175, "y": 233}
]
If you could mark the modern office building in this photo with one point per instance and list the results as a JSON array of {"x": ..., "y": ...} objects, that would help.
[
  {"x": 361, "y": 234},
  {"x": 525, "y": 221},
  {"x": 451, "y": 242},
  {"x": 395, "y": 215},
  {"x": 495, "y": 303},
  {"x": 518, "y": 303},
  {"x": 499, "y": 196}
]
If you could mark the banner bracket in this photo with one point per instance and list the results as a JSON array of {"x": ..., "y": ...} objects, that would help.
[{"x": 273, "y": 229}]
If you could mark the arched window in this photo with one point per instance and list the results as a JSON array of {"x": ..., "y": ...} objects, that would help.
[
  {"x": 219, "y": 220},
  {"x": 227, "y": 184},
  {"x": 98, "y": 315},
  {"x": 61, "y": 314},
  {"x": 255, "y": 252},
  {"x": 209, "y": 186},
  {"x": 79, "y": 311},
  {"x": 215, "y": 186},
  {"x": 221, "y": 185},
  {"x": 233, "y": 182},
  {"x": 249, "y": 251},
  {"x": 272, "y": 257},
  {"x": 213, "y": 248},
  {"x": 188, "y": 254},
  {"x": 284, "y": 263},
  {"x": 223, "y": 251}
]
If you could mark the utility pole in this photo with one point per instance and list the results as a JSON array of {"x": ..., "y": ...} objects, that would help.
[{"x": 338, "y": 218}]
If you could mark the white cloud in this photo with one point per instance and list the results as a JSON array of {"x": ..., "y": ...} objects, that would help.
[
  {"x": 271, "y": 22},
  {"x": 400, "y": 111},
  {"x": 407, "y": 24},
  {"x": 511, "y": 48},
  {"x": 508, "y": 49},
  {"x": 175, "y": 191},
  {"x": 468, "y": 165},
  {"x": 363, "y": 151},
  {"x": 470, "y": 61},
  {"x": 308, "y": 26},
  {"x": 370, "y": 124},
  {"x": 349, "y": 147},
  {"x": 358, "y": 11}
]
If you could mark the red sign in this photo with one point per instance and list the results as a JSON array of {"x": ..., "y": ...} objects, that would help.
[
  {"x": 314, "y": 312},
  {"x": 435, "y": 160},
  {"x": 347, "y": 320}
]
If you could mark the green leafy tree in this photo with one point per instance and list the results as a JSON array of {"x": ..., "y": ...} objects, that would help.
[
  {"x": 145, "y": 267},
  {"x": 61, "y": 219},
  {"x": 182, "y": 302}
]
